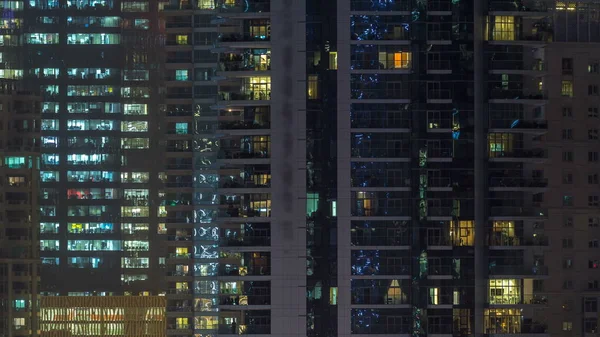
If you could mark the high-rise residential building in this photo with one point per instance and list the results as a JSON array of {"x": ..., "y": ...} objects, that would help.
[
  {"x": 320, "y": 168},
  {"x": 19, "y": 184}
]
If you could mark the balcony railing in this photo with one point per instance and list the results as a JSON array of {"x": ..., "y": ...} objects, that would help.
[
  {"x": 514, "y": 241},
  {"x": 243, "y": 66},
  {"x": 518, "y": 94},
  {"x": 245, "y": 96},
  {"x": 523, "y": 299},
  {"x": 518, "y": 124},
  {"x": 240, "y": 299},
  {"x": 179, "y": 326},
  {"x": 243, "y": 37},
  {"x": 244, "y": 125},
  {"x": 520, "y": 153},
  {"x": 244, "y": 6},
  {"x": 504, "y": 329},
  {"x": 518, "y": 211},
  {"x": 518, "y": 6},
  {"x": 518, "y": 270},
  {"x": 376, "y": 329},
  {"x": 241, "y": 329},
  {"x": 370, "y": 5},
  {"x": 518, "y": 182},
  {"x": 246, "y": 241},
  {"x": 518, "y": 65}
]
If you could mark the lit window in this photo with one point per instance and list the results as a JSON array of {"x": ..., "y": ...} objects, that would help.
[
  {"x": 567, "y": 326},
  {"x": 333, "y": 60},
  {"x": 504, "y": 28},
  {"x": 313, "y": 87},
  {"x": 19, "y": 323},
  {"x": 182, "y": 39},
  {"x": 567, "y": 89},
  {"x": 182, "y": 75},
  {"x": 402, "y": 60}
]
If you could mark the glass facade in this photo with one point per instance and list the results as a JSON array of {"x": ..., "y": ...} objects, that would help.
[{"x": 93, "y": 64}]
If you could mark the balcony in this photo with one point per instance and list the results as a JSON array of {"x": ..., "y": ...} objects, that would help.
[
  {"x": 532, "y": 97},
  {"x": 235, "y": 270},
  {"x": 438, "y": 37},
  {"x": 242, "y": 37},
  {"x": 439, "y": 6},
  {"x": 238, "y": 182},
  {"x": 244, "y": 300},
  {"x": 500, "y": 240},
  {"x": 524, "y": 7},
  {"x": 243, "y": 65},
  {"x": 519, "y": 329},
  {"x": 528, "y": 299},
  {"x": 179, "y": 326},
  {"x": 245, "y": 95},
  {"x": 244, "y": 212},
  {"x": 518, "y": 270},
  {"x": 377, "y": 6},
  {"x": 517, "y": 183},
  {"x": 246, "y": 241},
  {"x": 517, "y": 213},
  {"x": 179, "y": 308},
  {"x": 538, "y": 38},
  {"x": 519, "y": 155},
  {"x": 518, "y": 67},
  {"x": 244, "y": 6},
  {"x": 241, "y": 329},
  {"x": 536, "y": 127},
  {"x": 439, "y": 271}
]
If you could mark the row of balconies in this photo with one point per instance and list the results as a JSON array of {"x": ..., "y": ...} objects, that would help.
[{"x": 222, "y": 6}]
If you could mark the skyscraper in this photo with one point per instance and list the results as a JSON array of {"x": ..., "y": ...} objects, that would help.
[{"x": 322, "y": 168}]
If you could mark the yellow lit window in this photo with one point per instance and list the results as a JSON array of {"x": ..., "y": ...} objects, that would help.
[
  {"x": 162, "y": 211},
  {"x": 500, "y": 144},
  {"x": 503, "y": 28},
  {"x": 313, "y": 87},
  {"x": 333, "y": 293},
  {"x": 566, "y": 88},
  {"x": 505, "y": 291},
  {"x": 402, "y": 60},
  {"x": 503, "y": 234},
  {"x": 463, "y": 232},
  {"x": 333, "y": 60},
  {"x": 182, "y": 39},
  {"x": 206, "y": 4}
]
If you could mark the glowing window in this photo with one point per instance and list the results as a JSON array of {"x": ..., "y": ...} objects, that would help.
[
  {"x": 504, "y": 28},
  {"x": 182, "y": 39}
]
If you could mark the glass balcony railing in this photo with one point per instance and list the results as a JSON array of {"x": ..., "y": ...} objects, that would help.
[
  {"x": 537, "y": 65},
  {"x": 243, "y": 37},
  {"x": 518, "y": 6},
  {"x": 498, "y": 239},
  {"x": 234, "y": 270},
  {"x": 370, "y": 5},
  {"x": 518, "y": 182},
  {"x": 518, "y": 124},
  {"x": 243, "y": 66},
  {"x": 537, "y": 299},
  {"x": 518, "y": 270},
  {"x": 244, "y": 6},
  {"x": 245, "y": 95},
  {"x": 239, "y": 299},
  {"x": 246, "y": 241},
  {"x": 519, "y": 153},
  {"x": 241, "y": 329},
  {"x": 518, "y": 94},
  {"x": 507, "y": 211},
  {"x": 507, "y": 329}
]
